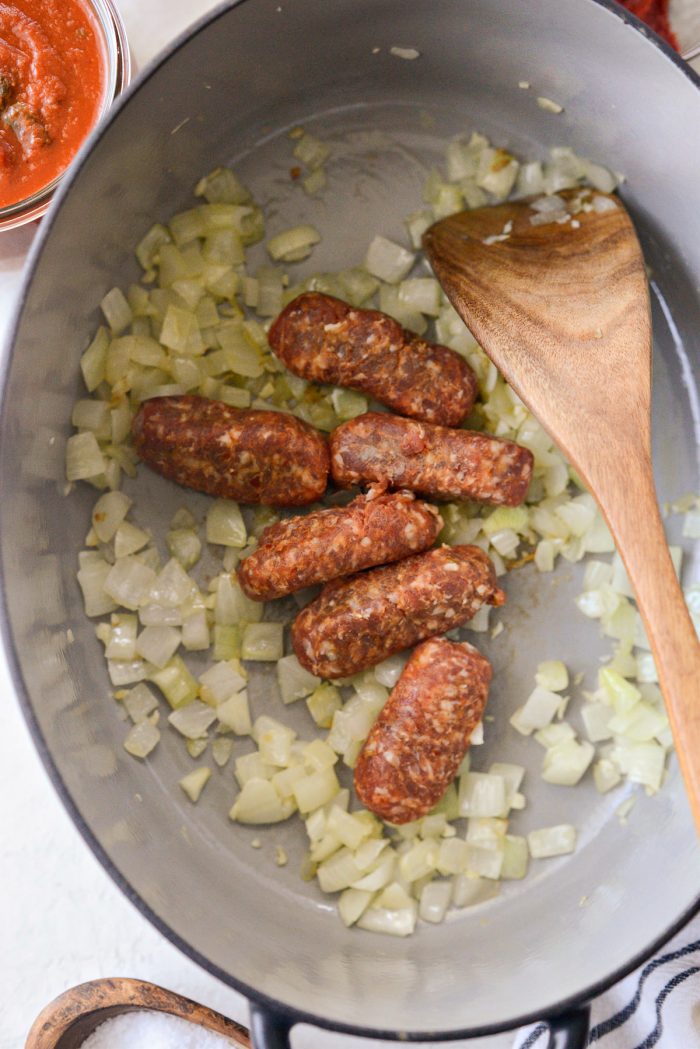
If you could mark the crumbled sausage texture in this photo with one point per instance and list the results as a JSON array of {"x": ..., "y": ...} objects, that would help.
[
  {"x": 302, "y": 551},
  {"x": 326, "y": 340},
  {"x": 251, "y": 456},
  {"x": 357, "y": 622},
  {"x": 435, "y": 461},
  {"x": 416, "y": 745}
]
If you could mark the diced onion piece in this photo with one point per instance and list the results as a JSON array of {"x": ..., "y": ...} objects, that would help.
[
  {"x": 116, "y": 310},
  {"x": 129, "y": 539},
  {"x": 172, "y": 587},
  {"x": 338, "y": 872},
  {"x": 232, "y": 606},
  {"x": 185, "y": 546},
  {"x": 434, "y": 901},
  {"x": 641, "y": 762},
  {"x": 388, "y": 261},
  {"x": 317, "y": 755},
  {"x": 352, "y": 904},
  {"x": 311, "y": 151},
  {"x": 108, "y": 513},
  {"x": 537, "y": 711},
  {"x": 122, "y": 637},
  {"x": 504, "y": 517},
  {"x": 389, "y": 671},
  {"x": 225, "y": 524},
  {"x": 92, "y": 362},
  {"x": 221, "y": 750},
  {"x": 497, "y": 172},
  {"x": 596, "y": 719},
  {"x": 194, "y": 783},
  {"x": 469, "y": 889},
  {"x": 380, "y": 875},
  {"x": 259, "y": 802},
  {"x": 83, "y": 457},
  {"x": 234, "y": 713},
  {"x": 348, "y": 404},
  {"x": 487, "y": 833},
  {"x": 552, "y": 675},
  {"x": 251, "y": 766},
  {"x": 293, "y": 244},
  {"x": 314, "y": 181},
  {"x": 515, "y": 857},
  {"x": 263, "y": 642},
  {"x": 139, "y": 703},
  {"x": 294, "y": 681},
  {"x": 323, "y": 703},
  {"x": 181, "y": 332},
  {"x": 274, "y": 740},
  {"x": 141, "y": 739},
  {"x": 566, "y": 762},
  {"x": 158, "y": 644},
  {"x": 176, "y": 683},
  {"x": 316, "y": 790},
  {"x": 194, "y": 720},
  {"x": 641, "y": 724},
  {"x": 557, "y": 732},
  {"x": 195, "y": 631},
  {"x": 606, "y": 775},
  {"x": 452, "y": 856},
  {"x": 512, "y": 775},
  {"x": 92, "y": 578},
  {"x": 196, "y": 747},
  {"x": 126, "y": 672},
  {"x": 487, "y": 863},
  {"x": 481, "y": 794},
  {"x": 221, "y": 681},
  {"x": 621, "y": 694},
  {"x": 349, "y": 830},
  {"x": 421, "y": 294},
  {"x": 552, "y": 841},
  {"x": 129, "y": 582},
  {"x": 222, "y": 186}
]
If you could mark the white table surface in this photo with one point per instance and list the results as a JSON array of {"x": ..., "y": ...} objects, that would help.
[{"x": 62, "y": 919}]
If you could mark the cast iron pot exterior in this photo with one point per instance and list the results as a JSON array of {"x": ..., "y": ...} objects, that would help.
[{"x": 226, "y": 93}]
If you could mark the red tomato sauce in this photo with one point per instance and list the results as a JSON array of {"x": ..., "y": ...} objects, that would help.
[
  {"x": 655, "y": 14},
  {"x": 51, "y": 84}
]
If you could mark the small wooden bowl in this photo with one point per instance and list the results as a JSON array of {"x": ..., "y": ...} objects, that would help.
[{"x": 67, "y": 1021}]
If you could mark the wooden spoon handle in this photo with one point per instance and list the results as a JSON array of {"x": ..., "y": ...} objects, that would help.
[{"x": 628, "y": 501}]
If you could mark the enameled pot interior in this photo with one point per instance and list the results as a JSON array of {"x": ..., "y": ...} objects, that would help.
[{"x": 230, "y": 96}]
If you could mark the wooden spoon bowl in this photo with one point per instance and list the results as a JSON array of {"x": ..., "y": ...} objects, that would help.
[
  {"x": 67, "y": 1021},
  {"x": 562, "y": 308}
]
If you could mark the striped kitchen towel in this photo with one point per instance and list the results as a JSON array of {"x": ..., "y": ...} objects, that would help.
[{"x": 656, "y": 1007}]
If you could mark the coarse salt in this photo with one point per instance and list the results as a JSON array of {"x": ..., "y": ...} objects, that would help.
[{"x": 144, "y": 1029}]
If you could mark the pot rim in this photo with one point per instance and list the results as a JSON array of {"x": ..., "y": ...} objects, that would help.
[{"x": 291, "y": 1014}]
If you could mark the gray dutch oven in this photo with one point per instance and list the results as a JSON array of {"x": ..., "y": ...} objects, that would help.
[{"x": 229, "y": 93}]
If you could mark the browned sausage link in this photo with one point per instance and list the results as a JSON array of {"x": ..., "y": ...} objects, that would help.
[
  {"x": 302, "y": 551},
  {"x": 357, "y": 622},
  {"x": 433, "y": 460},
  {"x": 326, "y": 340},
  {"x": 251, "y": 456},
  {"x": 418, "y": 741}
]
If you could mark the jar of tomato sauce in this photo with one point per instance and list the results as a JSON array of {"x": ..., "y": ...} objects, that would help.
[{"x": 62, "y": 64}]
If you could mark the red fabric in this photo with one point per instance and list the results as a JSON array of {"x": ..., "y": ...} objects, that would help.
[{"x": 655, "y": 14}]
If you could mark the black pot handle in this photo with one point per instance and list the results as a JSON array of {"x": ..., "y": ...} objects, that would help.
[
  {"x": 570, "y": 1030},
  {"x": 269, "y": 1029}
]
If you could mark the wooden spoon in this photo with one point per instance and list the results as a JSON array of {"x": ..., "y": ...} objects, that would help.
[
  {"x": 563, "y": 311},
  {"x": 74, "y": 1015}
]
